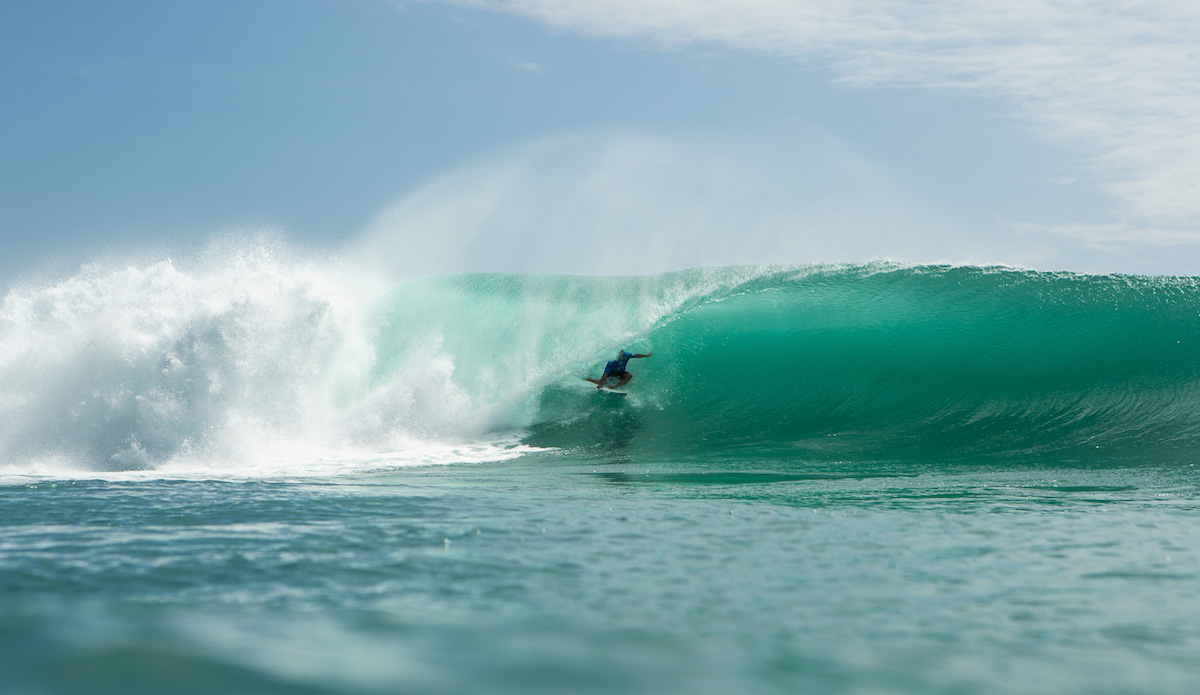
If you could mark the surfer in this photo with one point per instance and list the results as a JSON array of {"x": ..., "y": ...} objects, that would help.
[{"x": 616, "y": 369}]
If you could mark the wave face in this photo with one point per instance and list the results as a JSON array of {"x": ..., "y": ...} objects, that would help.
[
  {"x": 254, "y": 358},
  {"x": 932, "y": 363}
]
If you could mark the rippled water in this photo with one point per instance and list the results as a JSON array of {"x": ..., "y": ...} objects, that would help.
[{"x": 559, "y": 572}]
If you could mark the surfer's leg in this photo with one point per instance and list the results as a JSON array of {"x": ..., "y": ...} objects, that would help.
[{"x": 624, "y": 380}]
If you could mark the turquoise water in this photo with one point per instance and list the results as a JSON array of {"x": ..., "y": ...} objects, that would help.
[{"x": 863, "y": 479}]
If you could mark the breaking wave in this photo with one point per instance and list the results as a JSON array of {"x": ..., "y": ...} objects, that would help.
[{"x": 255, "y": 358}]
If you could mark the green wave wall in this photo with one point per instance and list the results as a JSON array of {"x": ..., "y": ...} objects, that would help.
[{"x": 901, "y": 362}]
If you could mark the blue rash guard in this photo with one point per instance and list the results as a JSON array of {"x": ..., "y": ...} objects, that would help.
[{"x": 617, "y": 366}]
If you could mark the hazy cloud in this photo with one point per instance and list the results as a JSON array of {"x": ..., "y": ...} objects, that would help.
[
  {"x": 527, "y": 65},
  {"x": 1117, "y": 80}
]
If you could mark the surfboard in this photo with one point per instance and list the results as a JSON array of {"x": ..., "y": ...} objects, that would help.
[{"x": 604, "y": 390}]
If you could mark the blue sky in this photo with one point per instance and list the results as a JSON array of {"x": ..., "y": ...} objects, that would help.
[{"x": 553, "y": 136}]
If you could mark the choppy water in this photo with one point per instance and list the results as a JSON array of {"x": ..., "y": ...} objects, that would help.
[{"x": 868, "y": 479}]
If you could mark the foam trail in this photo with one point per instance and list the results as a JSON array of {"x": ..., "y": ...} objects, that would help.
[
  {"x": 131, "y": 366},
  {"x": 248, "y": 358}
]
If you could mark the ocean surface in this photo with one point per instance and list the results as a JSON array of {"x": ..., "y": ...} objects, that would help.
[{"x": 260, "y": 475}]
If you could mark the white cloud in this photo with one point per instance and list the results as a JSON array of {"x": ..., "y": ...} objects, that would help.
[
  {"x": 527, "y": 65},
  {"x": 1119, "y": 80}
]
